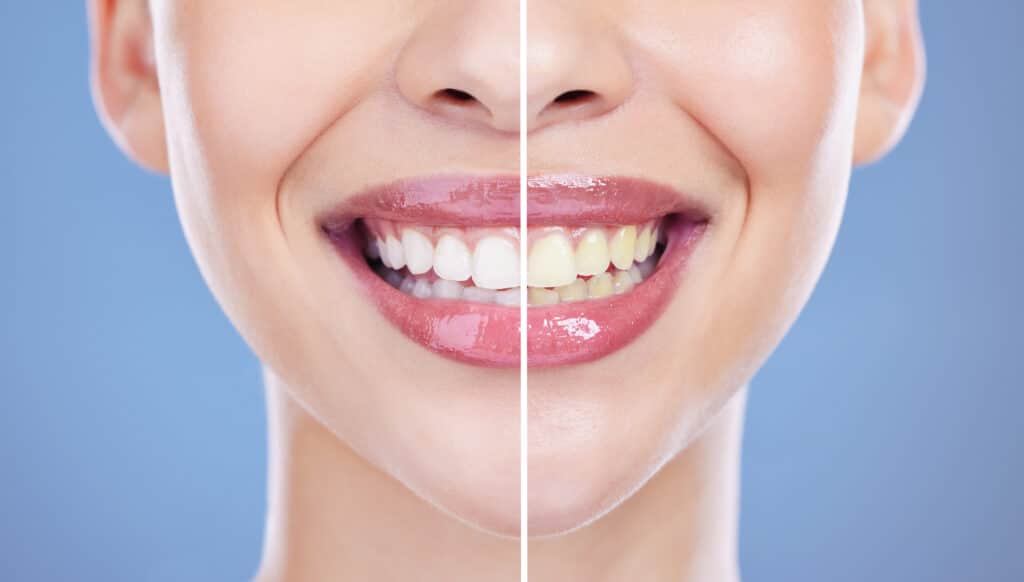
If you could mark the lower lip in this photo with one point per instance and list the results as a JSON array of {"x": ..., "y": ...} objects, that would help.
[
  {"x": 558, "y": 335},
  {"x": 576, "y": 333}
]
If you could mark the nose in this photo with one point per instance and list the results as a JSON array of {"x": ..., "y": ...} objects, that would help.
[
  {"x": 462, "y": 64},
  {"x": 575, "y": 67}
]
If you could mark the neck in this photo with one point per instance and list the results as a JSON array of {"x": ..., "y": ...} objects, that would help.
[
  {"x": 333, "y": 516},
  {"x": 681, "y": 526}
]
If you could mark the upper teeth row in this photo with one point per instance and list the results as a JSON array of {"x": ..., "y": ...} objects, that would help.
[
  {"x": 554, "y": 263},
  {"x": 493, "y": 262}
]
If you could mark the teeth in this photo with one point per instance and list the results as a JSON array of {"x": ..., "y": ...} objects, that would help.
[
  {"x": 495, "y": 263},
  {"x": 395, "y": 255},
  {"x": 565, "y": 264},
  {"x": 407, "y": 285},
  {"x": 592, "y": 252},
  {"x": 600, "y": 286},
  {"x": 445, "y": 289},
  {"x": 452, "y": 260},
  {"x": 635, "y": 275},
  {"x": 422, "y": 289},
  {"x": 542, "y": 296},
  {"x": 575, "y": 291},
  {"x": 508, "y": 298},
  {"x": 622, "y": 282},
  {"x": 478, "y": 295},
  {"x": 643, "y": 245},
  {"x": 551, "y": 262},
  {"x": 623, "y": 246},
  {"x": 418, "y": 251},
  {"x": 615, "y": 282},
  {"x": 647, "y": 267}
]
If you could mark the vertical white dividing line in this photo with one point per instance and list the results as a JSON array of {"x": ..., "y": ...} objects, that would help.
[{"x": 523, "y": 412}]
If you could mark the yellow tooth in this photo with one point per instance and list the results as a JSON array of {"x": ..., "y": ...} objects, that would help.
[
  {"x": 623, "y": 283},
  {"x": 600, "y": 286},
  {"x": 643, "y": 245},
  {"x": 575, "y": 291},
  {"x": 592, "y": 252},
  {"x": 622, "y": 247},
  {"x": 551, "y": 262},
  {"x": 541, "y": 296}
]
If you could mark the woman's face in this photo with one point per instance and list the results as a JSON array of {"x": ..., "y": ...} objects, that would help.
[{"x": 303, "y": 135}]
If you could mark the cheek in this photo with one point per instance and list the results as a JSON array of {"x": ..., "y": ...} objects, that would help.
[
  {"x": 247, "y": 86},
  {"x": 775, "y": 82},
  {"x": 257, "y": 82},
  {"x": 771, "y": 80}
]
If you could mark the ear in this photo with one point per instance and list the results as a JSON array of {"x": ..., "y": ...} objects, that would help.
[
  {"x": 125, "y": 89},
  {"x": 894, "y": 72}
]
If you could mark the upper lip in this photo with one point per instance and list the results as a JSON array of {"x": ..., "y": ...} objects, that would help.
[
  {"x": 578, "y": 200},
  {"x": 444, "y": 200},
  {"x": 552, "y": 200}
]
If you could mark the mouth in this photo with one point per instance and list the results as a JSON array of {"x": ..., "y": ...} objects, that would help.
[{"x": 439, "y": 257}]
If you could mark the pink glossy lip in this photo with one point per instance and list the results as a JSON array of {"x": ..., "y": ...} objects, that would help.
[
  {"x": 488, "y": 335},
  {"x": 575, "y": 333},
  {"x": 484, "y": 335}
]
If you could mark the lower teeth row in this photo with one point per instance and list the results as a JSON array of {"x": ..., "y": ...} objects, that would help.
[{"x": 612, "y": 282}]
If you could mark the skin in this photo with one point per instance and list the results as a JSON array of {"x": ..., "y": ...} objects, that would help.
[
  {"x": 267, "y": 113},
  {"x": 761, "y": 110}
]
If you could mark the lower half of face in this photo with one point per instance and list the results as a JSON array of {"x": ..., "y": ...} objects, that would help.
[{"x": 358, "y": 218}]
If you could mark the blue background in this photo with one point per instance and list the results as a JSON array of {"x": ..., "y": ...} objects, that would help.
[{"x": 883, "y": 440}]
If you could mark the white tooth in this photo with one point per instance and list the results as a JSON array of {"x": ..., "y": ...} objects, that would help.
[
  {"x": 623, "y": 282},
  {"x": 422, "y": 289},
  {"x": 478, "y": 295},
  {"x": 452, "y": 260},
  {"x": 551, "y": 262},
  {"x": 636, "y": 275},
  {"x": 382, "y": 249},
  {"x": 372, "y": 250},
  {"x": 418, "y": 251},
  {"x": 508, "y": 298},
  {"x": 495, "y": 263},
  {"x": 408, "y": 283},
  {"x": 396, "y": 258},
  {"x": 445, "y": 289},
  {"x": 393, "y": 278},
  {"x": 647, "y": 267}
]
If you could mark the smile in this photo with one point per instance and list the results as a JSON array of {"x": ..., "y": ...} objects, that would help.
[{"x": 440, "y": 259}]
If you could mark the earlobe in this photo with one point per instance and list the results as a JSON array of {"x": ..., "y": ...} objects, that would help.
[
  {"x": 125, "y": 89},
  {"x": 893, "y": 76}
]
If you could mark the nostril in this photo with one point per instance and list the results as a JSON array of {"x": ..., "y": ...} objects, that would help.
[
  {"x": 455, "y": 96},
  {"x": 575, "y": 97}
]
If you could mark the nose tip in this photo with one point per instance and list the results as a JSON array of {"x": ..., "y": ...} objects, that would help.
[
  {"x": 462, "y": 65},
  {"x": 575, "y": 69}
]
